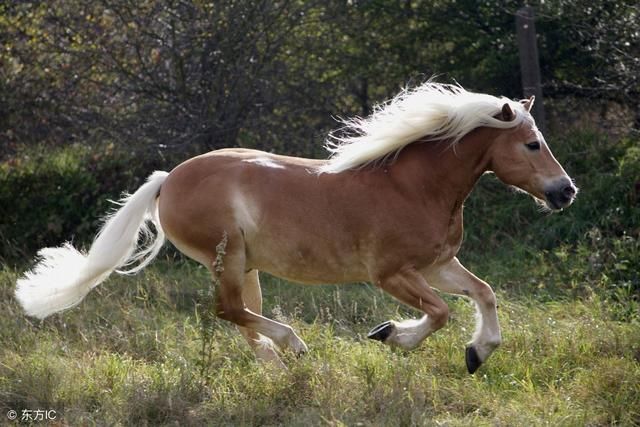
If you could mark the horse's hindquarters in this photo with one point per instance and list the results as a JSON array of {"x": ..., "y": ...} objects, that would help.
[{"x": 269, "y": 210}]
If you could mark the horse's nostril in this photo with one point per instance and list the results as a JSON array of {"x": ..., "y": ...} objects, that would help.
[{"x": 569, "y": 191}]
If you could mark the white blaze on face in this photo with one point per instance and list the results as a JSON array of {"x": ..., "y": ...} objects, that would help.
[{"x": 266, "y": 162}]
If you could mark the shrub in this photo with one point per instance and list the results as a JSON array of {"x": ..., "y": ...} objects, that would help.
[{"x": 48, "y": 197}]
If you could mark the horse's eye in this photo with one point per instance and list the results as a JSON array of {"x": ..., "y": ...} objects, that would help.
[{"x": 533, "y": 146}]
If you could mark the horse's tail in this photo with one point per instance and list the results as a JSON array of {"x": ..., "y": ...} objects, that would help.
[{"x": 63, "y": 275}]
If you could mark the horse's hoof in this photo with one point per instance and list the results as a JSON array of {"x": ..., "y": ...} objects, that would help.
[
  {"x": 382, "y": 331},
  {"x": 301, "y": 349},
  {"x": 472, "y": 359},
  {"x": 301, "y": 353}
]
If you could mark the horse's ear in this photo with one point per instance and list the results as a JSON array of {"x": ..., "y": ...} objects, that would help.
[
  {"x": 528, "y": 103},
  {"x": 507, "y": 113}
]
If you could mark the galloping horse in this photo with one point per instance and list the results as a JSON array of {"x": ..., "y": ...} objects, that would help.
[{"x": 386, "y": 207}]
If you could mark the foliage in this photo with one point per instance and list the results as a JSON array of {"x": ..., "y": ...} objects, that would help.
[
  {"x": 189, "y": 76},
  {"x": 206, "y": 311},
  {"x": 48, "y": 195},
  {"x": 591, "y": 49}
]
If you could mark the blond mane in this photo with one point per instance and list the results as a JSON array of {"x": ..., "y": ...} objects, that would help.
[{"x": 431, "y": 111}]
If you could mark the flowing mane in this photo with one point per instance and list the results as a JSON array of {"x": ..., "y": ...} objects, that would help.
[{"x": 431, "y": 111}]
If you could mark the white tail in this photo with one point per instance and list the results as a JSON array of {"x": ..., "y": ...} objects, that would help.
[{"x": 63, "y": 276}]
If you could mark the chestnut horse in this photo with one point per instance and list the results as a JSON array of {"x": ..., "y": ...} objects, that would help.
[{"x": 385, "y": 208}]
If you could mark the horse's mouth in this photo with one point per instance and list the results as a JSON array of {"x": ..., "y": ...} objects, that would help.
[
  {"x": 560, "y": 195},
  {"x": 553, "y": 206},
  {"x": 557, "y": 202}
]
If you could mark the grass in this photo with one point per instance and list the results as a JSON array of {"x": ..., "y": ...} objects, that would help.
[{"x": 130, "y": 354}]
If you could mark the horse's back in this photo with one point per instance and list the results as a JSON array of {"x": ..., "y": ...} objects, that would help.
[
  {"x": 283, "y": 213},
  {"x": 289, "y": 220}
]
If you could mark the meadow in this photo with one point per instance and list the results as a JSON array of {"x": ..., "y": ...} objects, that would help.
[
  {"x": 145, "y": 350},
  {"x": 133, "y": 353}
]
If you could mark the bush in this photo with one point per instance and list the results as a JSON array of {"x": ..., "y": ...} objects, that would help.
[{"x": 47, "y": 197}]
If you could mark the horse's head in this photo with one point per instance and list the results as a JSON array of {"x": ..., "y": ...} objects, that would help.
[{"x": 521, "y": 157}]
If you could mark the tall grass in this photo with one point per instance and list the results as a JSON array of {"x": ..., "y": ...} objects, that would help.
[{"x": 131, "y": 354}]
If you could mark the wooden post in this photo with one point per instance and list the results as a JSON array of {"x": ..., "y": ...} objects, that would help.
[{"x": 529, "y": 62}]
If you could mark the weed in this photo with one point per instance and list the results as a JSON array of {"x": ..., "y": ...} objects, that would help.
[{"x": 206, "y": 311}]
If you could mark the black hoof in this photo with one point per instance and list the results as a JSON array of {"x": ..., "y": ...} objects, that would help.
[
  {"x": 472, "y": 359},
  {"x": 382, "y": 331}
]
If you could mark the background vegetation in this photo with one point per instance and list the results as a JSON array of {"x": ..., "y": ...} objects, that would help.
[{"x": 96, "y": 95}]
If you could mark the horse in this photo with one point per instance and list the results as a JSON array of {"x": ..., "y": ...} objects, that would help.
[{"x": 385, "y": 207}]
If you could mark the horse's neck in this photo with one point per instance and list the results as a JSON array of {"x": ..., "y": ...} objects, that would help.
[{"x": 444, "y": 172}]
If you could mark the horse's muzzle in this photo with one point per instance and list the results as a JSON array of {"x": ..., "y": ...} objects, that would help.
[{"x": 560, "y": 194}]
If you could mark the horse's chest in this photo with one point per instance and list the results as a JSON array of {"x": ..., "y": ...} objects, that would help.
[
  {"x": 441, "y": 241},
  {"x": 451, "y": 238},
  {"x": 422, "y": 244}
]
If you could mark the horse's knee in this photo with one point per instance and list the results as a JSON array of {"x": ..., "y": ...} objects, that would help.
[
  {"x": 494, "y": 342},
  {"x": 486, "y": 297},
  {"x": 229, "y": 305},
  {"x": 226, "y": 314},
  {"x": 439, "y": 316},
  {"x": 229, "y": 313}
]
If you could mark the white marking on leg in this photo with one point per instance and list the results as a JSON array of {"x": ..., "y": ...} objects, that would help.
[
  {"x": 455, "y": 279},
  {"x": 487, "y": 335},
  {"x": 410, "y": 333},
  {"x": 265, "y": 351}
]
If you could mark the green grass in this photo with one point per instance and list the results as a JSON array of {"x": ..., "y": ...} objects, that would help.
[{"x": 130, "y": 354}]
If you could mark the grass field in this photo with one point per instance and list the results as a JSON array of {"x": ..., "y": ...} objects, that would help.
[{"x": 133, "y": 354}]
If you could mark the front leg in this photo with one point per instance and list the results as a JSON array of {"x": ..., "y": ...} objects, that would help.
[
  {"x": 453, "y": 278},
  {"x": 410, "y": 287}
]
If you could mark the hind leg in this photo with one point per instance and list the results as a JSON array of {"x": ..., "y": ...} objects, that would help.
[
  {"x": 261, "y": 345},
  {"x": 231, "y": 306}
]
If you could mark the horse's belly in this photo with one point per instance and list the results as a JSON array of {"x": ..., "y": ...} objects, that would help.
[{"x": 308, "y": 267}]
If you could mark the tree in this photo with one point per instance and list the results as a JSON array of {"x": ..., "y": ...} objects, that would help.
[{"x": 189, "y": 76}]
